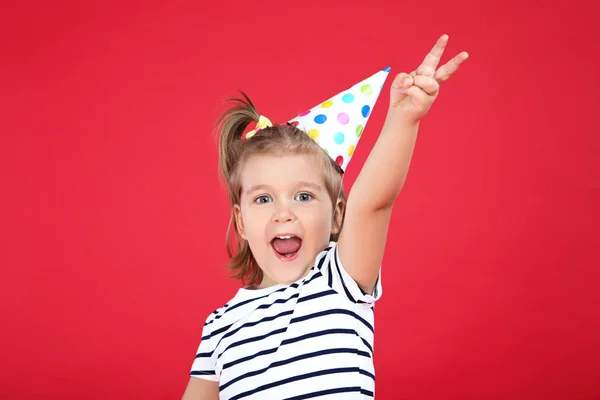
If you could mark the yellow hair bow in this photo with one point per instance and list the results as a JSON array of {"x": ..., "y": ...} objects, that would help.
[{"x": 263, "y": 122}]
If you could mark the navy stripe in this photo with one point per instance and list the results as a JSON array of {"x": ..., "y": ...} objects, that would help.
[
  {"x": 203, "y": 372},
  {"x": 318, "y": 333},
  {"x": 322, "y": 260},
  {"x": 315, "y": 276},
  {"x": 331, "y": 312},
  {"x": 249, "y": 324},
  {"x": 367, "y": 373},
  {"x": 200, "y": 355},
  {"x": 253, "y": 339},
  {"x": 293, "y": 340},
  {"x": 278, "y": 301},
  {"x": 329, "y": 274},
  {"x": 289, "y": 361},
  {"x": 367, "y": 392},
  {"x": 366, "y": 344},
  {"x": 248, "y": 358},
  {"x": 215, "y": 333},
  {"x": 325, "y": 393},
  {"x": 317, "y": 295},
  {"x": 335, "y": 260},
  {"x": 294, "y": 379}
]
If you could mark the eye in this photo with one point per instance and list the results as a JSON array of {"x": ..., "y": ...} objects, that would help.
[
  {"x": 262, "y": 199},
  {"x": 304, "y": 197}
]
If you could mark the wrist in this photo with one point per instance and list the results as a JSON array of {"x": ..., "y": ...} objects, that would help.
[{"x": 401, "y": 121}]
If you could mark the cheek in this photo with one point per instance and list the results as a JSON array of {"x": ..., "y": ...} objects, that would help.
[
  {"x": 255, "y": 220},
  {"x": 320, "y": 222}
]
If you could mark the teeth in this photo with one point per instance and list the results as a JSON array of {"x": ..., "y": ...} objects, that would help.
[{"x": 284, "y": 237}]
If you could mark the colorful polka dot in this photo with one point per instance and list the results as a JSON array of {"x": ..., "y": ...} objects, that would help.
[
  {"x": 348, "y": 98},
  {"x": 359, "y": 130},
  {"x": 367, "y": 90},
  {"x": 320, "y": 119},
  {"x": 365, "y": 111},
  {"x": 333, "y": 123},
  {"x": 343, "y": 118}
]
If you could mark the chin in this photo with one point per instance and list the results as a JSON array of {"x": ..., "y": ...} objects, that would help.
[{"x": 286, "y": 272}]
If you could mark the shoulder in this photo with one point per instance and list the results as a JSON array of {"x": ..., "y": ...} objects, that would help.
[{"x": 242, "y": 296}]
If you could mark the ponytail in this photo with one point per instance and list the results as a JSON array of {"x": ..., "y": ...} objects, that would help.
[{"x": 231, "y": 128}]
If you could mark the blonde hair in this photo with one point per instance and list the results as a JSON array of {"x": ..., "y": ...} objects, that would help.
[{"x": 234, "y": 151}]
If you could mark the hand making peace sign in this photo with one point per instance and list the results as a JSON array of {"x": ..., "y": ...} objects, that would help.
[{"x": 413, "y": 94}]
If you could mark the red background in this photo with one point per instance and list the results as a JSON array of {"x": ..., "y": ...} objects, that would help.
[{"x": 113, "y": 220}]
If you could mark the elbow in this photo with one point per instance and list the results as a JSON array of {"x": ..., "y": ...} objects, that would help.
[{"x": 386, "y": 200}]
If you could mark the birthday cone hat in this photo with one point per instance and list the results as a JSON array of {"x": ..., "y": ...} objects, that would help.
[{"x": 338, "y": 123}]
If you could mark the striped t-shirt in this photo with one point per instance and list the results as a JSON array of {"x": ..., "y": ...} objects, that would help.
[{"x": 309, "y": 339}]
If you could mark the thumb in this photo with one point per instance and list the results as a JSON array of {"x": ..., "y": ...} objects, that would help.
[{"x": 400, "y": 85}]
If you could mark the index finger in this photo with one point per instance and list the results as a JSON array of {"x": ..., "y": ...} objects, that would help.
[{"x": 431, "y": 61}]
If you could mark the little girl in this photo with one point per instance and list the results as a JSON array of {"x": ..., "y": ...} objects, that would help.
[{"x": 303, "y": 328}]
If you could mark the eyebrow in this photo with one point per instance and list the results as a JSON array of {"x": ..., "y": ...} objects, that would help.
[{"x": 301, "y": 183}]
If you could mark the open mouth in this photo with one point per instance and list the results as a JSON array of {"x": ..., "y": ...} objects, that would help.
[{"x": 286, "y": 247}]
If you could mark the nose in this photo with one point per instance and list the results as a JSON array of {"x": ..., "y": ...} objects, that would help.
[{"x": 283, "y": 214}]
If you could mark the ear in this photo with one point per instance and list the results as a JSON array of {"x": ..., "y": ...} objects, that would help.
[
  {"x": 338, "y": 217},
  {"x": 239, "y": 221}
]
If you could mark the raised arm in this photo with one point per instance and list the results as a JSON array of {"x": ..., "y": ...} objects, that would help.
[{"x": 362, "y": 240}]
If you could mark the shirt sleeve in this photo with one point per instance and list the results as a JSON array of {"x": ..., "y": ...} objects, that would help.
[
  {"x": 204, "y": 365},
  {"x": 339, "y": 280}
]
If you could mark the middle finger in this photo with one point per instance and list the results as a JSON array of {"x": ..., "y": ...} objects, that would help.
[{"x": 431, "y": 61}]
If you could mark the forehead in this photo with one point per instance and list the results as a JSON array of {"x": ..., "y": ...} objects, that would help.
[{"x": 280, "y": 170}]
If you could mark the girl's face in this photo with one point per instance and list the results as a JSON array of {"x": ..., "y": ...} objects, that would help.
[{"x": 285, "y": 214}]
